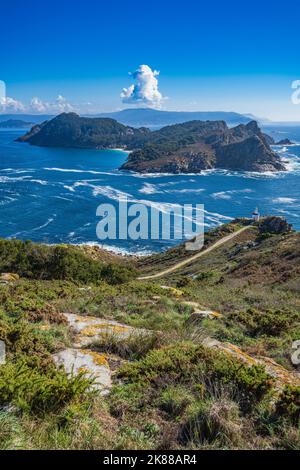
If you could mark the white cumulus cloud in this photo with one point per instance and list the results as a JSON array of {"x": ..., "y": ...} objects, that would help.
[
  {"x": 60, "y": 105},
  {"x": 145, "y": 91},
  {"x": 8, "y": 105}
]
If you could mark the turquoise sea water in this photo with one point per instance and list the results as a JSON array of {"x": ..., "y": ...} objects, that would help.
[{"x": 51, "y": 194}]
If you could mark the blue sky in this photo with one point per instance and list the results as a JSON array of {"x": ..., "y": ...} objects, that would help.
[{"x": 240, "y": 56}]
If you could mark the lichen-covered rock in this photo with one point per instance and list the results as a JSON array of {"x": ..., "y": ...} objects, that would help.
[
  {"x": 9, "y": 277},
  {"x": 89, "y": 329},
  {"x": 94, "y": 365}
]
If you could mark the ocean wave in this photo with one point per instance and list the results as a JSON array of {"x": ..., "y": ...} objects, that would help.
[
  {"x": 150, "y": 188},
  {"x": 228, "y": 194},
  {"x": 284, "y": 200},
  {"x": 75, "y": 170},
  {"x": 7, "y": 200},
  {"x": 291, "y": 214},
  {"x": 63, "y": 198},
  {"x": 35, "y": 229},
  {"x": 48, "y": 222},
  {"x": 42, "y": 182},
  {"x": 8, "y": 179},
  {"x": 17, "y": 171},
  {"x": 158, "y": 175},
  {"x": 69, "y": 188},
  {"x": 160, "y": 206},
  {"x": 106, "y": 191},
  {"x": 291, "y": 162},
  {"x": 187, "y": 190}
]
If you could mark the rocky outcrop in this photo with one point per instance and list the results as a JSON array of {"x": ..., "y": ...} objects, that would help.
[
  {"x": 274, "y": 224},
  {"x": 6, "y": 278}
]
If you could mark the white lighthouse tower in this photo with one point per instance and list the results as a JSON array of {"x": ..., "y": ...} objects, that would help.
[{"x": 256, "y": 215}]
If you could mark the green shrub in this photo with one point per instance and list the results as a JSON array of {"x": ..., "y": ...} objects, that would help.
[
  {"x": 175, "y": 399},
  {"x": 35, "y": 392},
  {"x": 270, "y": 322},
  {"x": 288, "y": 404},
  {"x": 212, "y": 421},
  {"x": 117, "y": 274},
  {"x": 37, "y": 261},
  {"x": 182, "y": 362},
  {"x": 125, "y": 399}
]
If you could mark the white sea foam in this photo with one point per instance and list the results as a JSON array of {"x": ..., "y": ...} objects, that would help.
[
  {"x": 291, "y": 162},
  {"x": 63, "y": 198},
  {"x": 75, "y": 170},
  {"x": 49, "y": 221},
  {"x": 284, "y": 200},
  {"x": 228, "y": 194},
  {"x": 187, "y": 190},
  {"x": 69, "y": 188},
  {"x": 42, "y": 182},
  {"x": 35, "y": 229},
  {"x": 291, "y": 214},
  {"x": 7, "y": 200},
  {"x": 8, "y": 179},
  {"x": 149, "y": 188},
  {"x": 118, "y": 250}
]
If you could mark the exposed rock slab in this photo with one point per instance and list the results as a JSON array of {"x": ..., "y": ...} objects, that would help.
[
  {"x": 79, "y": 358},
  {"x": 95, "y": 365},
  {"x": 89, "y": 329}
]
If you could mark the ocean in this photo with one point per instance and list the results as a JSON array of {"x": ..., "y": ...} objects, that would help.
[{"x": 51, "y": 195}]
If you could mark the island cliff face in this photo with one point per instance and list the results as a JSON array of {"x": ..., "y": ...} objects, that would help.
[
  {"x": 181, "y": 148},
  {"x": 195, "y": 146}
]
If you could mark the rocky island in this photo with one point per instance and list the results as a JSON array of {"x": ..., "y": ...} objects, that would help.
[
  {"x": 181, "y": 148},
  {"x": 285, "y": 142}
]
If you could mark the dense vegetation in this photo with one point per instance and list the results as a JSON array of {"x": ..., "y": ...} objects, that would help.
[
  {"x": 170, "y": 390},
  {"x": 58, "y": 262}
]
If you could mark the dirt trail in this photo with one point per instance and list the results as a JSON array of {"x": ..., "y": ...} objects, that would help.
[{"x": 196, "y": 256}]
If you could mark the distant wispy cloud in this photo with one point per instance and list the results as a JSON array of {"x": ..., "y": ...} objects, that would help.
[{"x": 145, "y": 91}]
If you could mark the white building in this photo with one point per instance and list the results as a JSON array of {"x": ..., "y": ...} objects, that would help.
[{"x": 256, "y": 215}]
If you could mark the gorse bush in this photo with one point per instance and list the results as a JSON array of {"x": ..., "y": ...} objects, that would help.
[
  {"x": 29, "y": 342},
  {"x": 288, "y": 404},
  {"x": 36, "y": 392},
  {"x": 270, "y": 322},
  {"x": 175, "y": 399},
  {"x": 186, "y": 361},
  {"x": 58, "y": 262}
]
